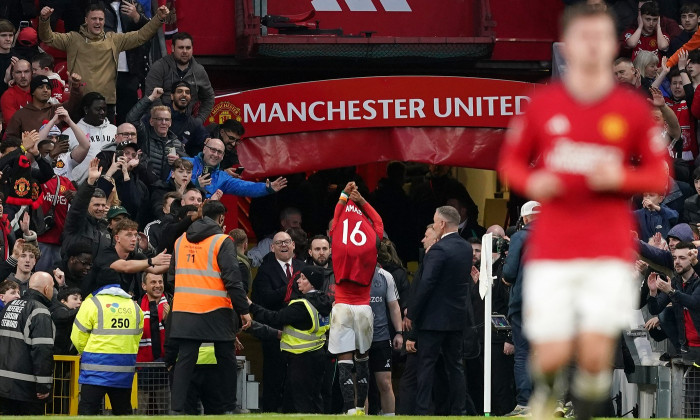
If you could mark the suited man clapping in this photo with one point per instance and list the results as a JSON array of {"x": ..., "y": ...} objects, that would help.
[{"x": 438, "y": 310}]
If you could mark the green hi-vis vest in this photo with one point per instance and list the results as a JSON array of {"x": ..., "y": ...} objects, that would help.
[
  {"x": 298, "y": 341},
  {"x": 206, "y": 354}
]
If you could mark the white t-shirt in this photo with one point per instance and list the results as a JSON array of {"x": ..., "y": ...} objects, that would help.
[
  {"x": 64, "y": 165},
  {"x": 122, "y": 64},
  {"x": 100, "y": 136}
]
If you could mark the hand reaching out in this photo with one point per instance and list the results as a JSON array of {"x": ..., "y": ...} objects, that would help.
[
  {"x": 161, "y": 259},
  {"x": 277, "y": 184},
  {"x": 682, "y": 59},
  {"x": 657, "y": 98}
]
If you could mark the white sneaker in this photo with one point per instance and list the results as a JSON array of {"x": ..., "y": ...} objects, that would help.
[{"x": 351, "y": 412}]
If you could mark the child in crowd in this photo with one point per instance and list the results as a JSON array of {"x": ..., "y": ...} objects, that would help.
[
  {"x": 63, "y": 313},
  {"x": 654, "y": 216},
  {"x": 9, "y": 291}
]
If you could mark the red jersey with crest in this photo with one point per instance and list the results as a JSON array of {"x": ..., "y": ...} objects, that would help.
[
  {"x": 48, "y": 189},
  {"x": 687, "y": 123},
  {"x": 646, "y": 42},
  {"x": 354, "y": 243},
  {"x": 570, "y": 139}
]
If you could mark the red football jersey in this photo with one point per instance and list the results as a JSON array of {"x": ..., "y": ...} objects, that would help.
[
  {"x": 53, "y": 236},
  {"x": 687, "y": 123},
  {"x": 570, "y": 139},
  {"x": 647, "y": 43},
  {"x": 354, "y": 243}
]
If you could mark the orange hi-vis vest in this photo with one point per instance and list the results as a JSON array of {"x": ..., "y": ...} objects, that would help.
[{"x": 198, "y": 285}]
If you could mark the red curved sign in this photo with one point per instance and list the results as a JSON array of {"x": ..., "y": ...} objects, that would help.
[
  {"x": 396, "y": 101},
  {"x": 331, "y": 123}
]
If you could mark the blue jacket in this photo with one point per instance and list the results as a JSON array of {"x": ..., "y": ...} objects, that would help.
[
  {"x": 651, "y": 222},
  {"x": 220, "y": 180},
  {"x": 513, "y": 269},
  {"x": 661, "y": 257}
]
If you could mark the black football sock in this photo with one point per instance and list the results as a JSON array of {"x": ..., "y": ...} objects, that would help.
[
  {"x": 362, "y": 377},
  {"x": 347, "y": 385}
]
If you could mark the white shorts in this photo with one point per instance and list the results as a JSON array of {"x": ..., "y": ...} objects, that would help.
[
  {"x": 563, "y": 298},
  {"x": 351, "y": 328}
]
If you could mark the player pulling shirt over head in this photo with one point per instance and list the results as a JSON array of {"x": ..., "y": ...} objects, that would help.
[{"x": 355, "y": 234}]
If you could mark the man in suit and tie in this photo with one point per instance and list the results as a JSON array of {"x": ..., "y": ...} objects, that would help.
[
  {"x": 269, "y": 291},
  {"x": 438, "y": 310}
]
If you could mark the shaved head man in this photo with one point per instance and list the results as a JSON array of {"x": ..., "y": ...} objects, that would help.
[{"x": 42, "y": 282}]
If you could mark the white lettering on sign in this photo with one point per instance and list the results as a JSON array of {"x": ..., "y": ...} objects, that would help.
[
  {"x": 361, "y": 5},
  {"x": 385, "y": 109}
]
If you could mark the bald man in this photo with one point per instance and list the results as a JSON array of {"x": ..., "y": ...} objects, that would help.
[
  {"x": 270, "y": 288},
  {"x": 26, "y": 350},
  {"x": 497, "y": 231},
  {"x": 207, "y": 174},
  {"x": 17, "y": 95},
  {"x": 126, "y": 133}
]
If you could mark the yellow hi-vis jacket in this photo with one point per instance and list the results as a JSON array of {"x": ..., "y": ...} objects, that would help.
[
  {"x": 107, "y": 331},
  {"x": 298, "y": 341}
]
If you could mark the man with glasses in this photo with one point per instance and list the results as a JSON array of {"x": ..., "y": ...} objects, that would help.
[
  {"x": 230, "y": 132},
  {"x": 160, "y": 146},
  {"x": 269, "y": 291},
  {"x": 207, "y": 174}
]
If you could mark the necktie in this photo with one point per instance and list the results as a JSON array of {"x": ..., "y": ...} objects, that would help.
[{"x": 288, "y": 271}]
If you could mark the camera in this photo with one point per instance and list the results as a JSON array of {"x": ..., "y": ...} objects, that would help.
[
  {"x": 48, "y": 220},
  {"x": 500, "y": 323},
  {"x": 499, "y": 245}
]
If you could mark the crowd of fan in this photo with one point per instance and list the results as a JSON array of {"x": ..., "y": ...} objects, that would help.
[{"x": 84, "y": 159}]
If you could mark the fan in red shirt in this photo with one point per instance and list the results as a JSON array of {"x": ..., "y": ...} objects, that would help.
[
  {"x": 573, "y": 151},
  {"x": 18, "y": 94},
  {"x": 648, "y": 35},
  {"x": 355, "y": 234}
]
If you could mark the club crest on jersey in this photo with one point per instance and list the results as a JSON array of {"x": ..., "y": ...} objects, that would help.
[
  {"x": 558, "y": 125},
  {"x": 613, "y": 127}
]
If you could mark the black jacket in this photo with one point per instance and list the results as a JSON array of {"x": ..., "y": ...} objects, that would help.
[
  {"x": 220, "y": 324},
  {"x": 294, "y": 314},
  {"x": 270, "y": 284},
  {"x": 441, "y": 299},
  {"x": 688, "y": 297},
  {"x": 401, "y": 280},
  {"x": 154, "y": 147},
  {"x": 137, "y": 58},
  {"x": 63, "y": 318},
  {"x": 691, "y": 209},
  {"x": 80, "y": 226},
  {"x": 190, "y": 131},
  {"x": 513, "y": 269},
  {"x": 26, "y": 348}
]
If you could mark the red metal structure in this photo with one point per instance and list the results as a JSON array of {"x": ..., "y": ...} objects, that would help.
[
  {"x": 508, "y": 31},
  {"x": 249, "y": 44}
]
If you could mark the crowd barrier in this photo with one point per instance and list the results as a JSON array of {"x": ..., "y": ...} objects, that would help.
[{"x": 150, "y": 392}]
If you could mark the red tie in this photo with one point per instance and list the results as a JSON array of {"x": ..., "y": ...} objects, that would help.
[{"x": 289, "y": 271}]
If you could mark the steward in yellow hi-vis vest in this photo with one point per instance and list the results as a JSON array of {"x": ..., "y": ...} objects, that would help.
[
  {"x": 207, "y": 282},
  {"x": 107, "y": 331},
  {"x": 304, "y": 323}
]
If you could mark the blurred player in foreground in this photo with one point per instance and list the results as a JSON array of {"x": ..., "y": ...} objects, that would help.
[{"x": 581, "y": 149}]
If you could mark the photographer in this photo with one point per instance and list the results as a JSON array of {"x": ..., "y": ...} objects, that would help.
[
  {"x": 502, "y": 385},
  {"x": 513, "y": 274}
]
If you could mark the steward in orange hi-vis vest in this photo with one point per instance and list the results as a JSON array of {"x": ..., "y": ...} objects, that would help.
[
  {"x": 207, "y": 286},
  {"x": 197, "y": 276},
  {"x": 209, "y": 297}
]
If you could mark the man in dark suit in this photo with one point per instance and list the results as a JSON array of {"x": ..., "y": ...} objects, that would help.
[
  {"x": 438, "y": 310},
  {"x": 269, "y": 291}
]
